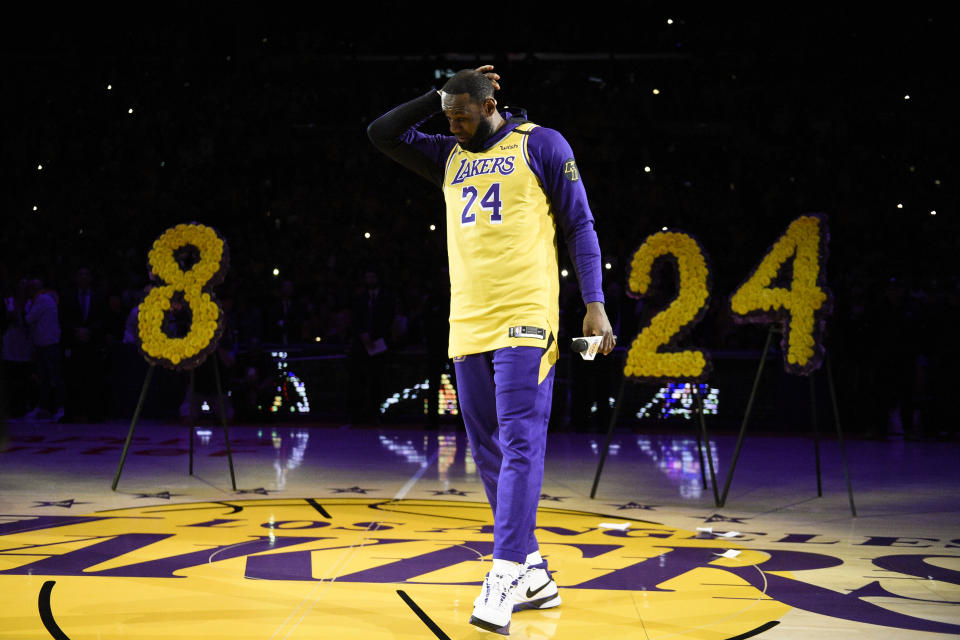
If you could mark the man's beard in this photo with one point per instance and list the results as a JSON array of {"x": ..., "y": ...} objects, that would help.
[{"x": 476, "y": 143}]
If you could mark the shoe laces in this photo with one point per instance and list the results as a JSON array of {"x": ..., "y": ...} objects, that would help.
[{"x": 499, "y": 585}]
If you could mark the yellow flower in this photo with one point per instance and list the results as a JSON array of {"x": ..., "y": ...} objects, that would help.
[
  {"x": 206, "y": 312},
  {"x": 801, "y": 302},
  {"x": 643, "y": 358}
]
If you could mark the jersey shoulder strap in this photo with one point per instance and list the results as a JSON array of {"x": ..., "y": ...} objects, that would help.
[{"x": 525, "y": 129}]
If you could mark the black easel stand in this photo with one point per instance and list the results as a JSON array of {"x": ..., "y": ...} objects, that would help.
[
  {"x": 813, "y": 425},
  {"x": 702, "y": 435},
  {"x": 703, "y": 442},
  {"x": 606, "y": 444},
  {"x": 193, "y": 423}
]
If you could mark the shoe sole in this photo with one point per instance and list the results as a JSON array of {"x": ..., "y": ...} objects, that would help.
[
  {"x": 543, "y": 603},
  {"x": 489, "y": 626}
]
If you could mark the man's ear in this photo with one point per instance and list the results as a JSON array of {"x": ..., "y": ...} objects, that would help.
[{"x": 489, "y": 106}]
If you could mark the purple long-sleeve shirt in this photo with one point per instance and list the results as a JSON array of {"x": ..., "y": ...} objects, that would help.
[{"x": 397, "y": 134}]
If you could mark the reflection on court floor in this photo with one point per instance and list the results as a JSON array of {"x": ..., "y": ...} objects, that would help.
[
  {"x": 382, "y": 533},
  {"x": 302, "y": 567}
]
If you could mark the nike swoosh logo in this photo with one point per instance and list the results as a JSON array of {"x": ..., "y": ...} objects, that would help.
[{"x": 530, "y": 594}]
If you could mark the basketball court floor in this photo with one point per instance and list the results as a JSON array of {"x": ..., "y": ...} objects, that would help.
[{"x": 379, "y": 533}]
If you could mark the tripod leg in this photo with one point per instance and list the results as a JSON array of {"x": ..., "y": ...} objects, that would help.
[
  {"x": 843, "y": 450},
  {"x": 706, "y": 442},
  {"x": 703, "y": 466},
  {"x": 606, "y": 444},
  {"x": 746, "y": 417},
  {"x": 816, "y": 434},
  {"x": 133, "y": 425},
  {"x": 223, "y": 420},
  {"x": 193, "y": 419}
]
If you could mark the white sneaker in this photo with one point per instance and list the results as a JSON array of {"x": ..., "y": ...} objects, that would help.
[
  {"x": 535, "y": 590},
  {"x": 492, "y": 609}
]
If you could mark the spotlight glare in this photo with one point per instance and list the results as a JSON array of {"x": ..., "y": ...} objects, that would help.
[
  {"x": 906, "y": 97},
  {"x": 109, "y": 87},
  {"x": 669, "y": 20},
  {"x": 433, "y": 227},
  {"x": 39, "y": 167},
  {"x": 564, "y": 273},
  {"x": 607, "y": 266},
  {"x": 899, "y": 205},
  {"x": 276, "y": 271},
  {"x": 656, "y": 92},
  {"x": 130, "y": 110},
  {"x": 647, "y": 169},
  {"x": 366, "y": 235},
  {"x": 933, "y": 213},
  {"x": 664, "y": 229},
  {"x": 34, "y": 207}
]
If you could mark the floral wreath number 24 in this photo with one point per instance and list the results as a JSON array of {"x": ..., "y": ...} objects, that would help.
[
  {"x": 189, "y": 286},
  {"x": 801, "y": 307}
]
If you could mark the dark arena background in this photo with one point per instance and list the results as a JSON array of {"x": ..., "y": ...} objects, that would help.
[{"x": 119, "y": 123}]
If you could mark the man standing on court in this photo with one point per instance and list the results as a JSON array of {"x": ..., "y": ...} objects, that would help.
[{"x": 507, "y": 183}]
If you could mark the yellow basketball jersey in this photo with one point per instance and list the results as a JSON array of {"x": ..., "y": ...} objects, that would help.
[{"x": 501, "y": 240}]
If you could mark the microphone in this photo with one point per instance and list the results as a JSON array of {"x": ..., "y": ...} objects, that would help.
[{"x": 587, "y": 346}]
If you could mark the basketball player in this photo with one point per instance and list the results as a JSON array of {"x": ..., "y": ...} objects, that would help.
[{"x": 507, "y": 183}]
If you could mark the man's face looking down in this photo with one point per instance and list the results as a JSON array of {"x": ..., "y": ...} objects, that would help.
[{"x": 469, "y": 121}]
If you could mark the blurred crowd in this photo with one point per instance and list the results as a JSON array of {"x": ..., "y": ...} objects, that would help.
[{"x": 262, "y": 135}]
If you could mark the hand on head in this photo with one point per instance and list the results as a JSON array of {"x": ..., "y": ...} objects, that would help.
[{"x": 487, "y": 70}]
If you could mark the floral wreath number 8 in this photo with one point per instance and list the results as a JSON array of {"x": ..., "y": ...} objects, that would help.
[{"x": 203, "y": 334}]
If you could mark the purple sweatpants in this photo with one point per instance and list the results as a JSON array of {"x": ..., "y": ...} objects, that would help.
[{"x": 506, "y": 414}]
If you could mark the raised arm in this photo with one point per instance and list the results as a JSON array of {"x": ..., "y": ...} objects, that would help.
[{"x": 396, "y": 134}]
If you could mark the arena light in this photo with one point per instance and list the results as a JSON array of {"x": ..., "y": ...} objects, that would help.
[
  {"x": 906, "y": 97},
  {"x": 130, "y": 110},
  {"x": 433, "y": 227},
  {"x": 899, "y": 205},
  {"x": 39, "y": 167},
  {"x": 647, "y": 169},
  {"x": 366, "y": 235},
  {"x": 276, "y": 271},
  {"x": 656, "y": 92},
  {"x": 563, "y": 272},
  {"x": 109, "y": 87},
  {"x": 608, "y": 266},
  {"x": 34, "y": 207},
  {"x": 933, "y": 213}
]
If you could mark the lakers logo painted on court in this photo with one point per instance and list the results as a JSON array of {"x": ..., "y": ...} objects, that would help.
[{"x": 299, "y": 568}]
